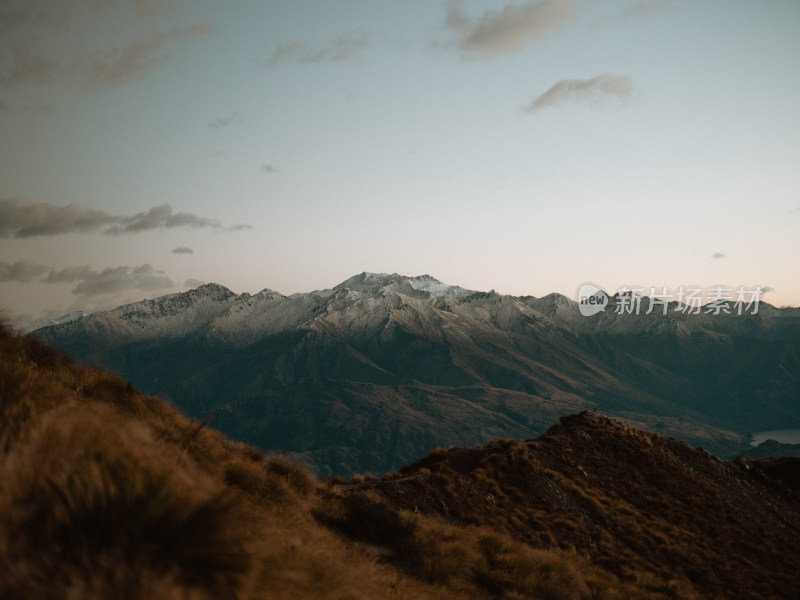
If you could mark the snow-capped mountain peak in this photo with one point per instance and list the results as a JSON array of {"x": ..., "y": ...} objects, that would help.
[
  {"x": 366, "y": 282},
  {"x": 372, "y": 283},
  {"x": 437, "y": 288}
]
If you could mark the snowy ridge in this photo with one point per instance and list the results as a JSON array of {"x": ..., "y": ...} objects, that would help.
[
  {"x": 219, "y": 314},
  {"x": 368, "y": 302},
  {"x": 383, "y": 349},
  {"x": 167, "y": 316},
  {"x": 357, "y": 306},
  {"x": 374, "y": 282}
]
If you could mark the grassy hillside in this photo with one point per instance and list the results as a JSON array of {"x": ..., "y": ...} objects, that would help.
[
  {"x": 622, "y": 504},
  {"x": 109, "y": 493}
]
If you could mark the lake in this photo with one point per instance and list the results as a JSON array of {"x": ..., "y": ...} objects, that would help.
[{"x": 784, "y": 436}]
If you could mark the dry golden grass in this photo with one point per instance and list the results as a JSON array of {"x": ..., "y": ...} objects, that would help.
[
  {"x": 624, "y": 509},
  {"x": 110, "y": 494},
  {"x": 106, "y": 493}
]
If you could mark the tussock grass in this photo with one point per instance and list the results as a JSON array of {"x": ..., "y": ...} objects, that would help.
[{"x": 106, "y": 493}]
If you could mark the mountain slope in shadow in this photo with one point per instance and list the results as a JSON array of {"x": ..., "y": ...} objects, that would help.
[
  {"x": 650, "y": 509},
  {"x": 107, "y": 492},
  {"x": 371, "y": 374}
]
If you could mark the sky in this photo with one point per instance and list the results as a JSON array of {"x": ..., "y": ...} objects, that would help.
[{"x": 149, "y": 146}]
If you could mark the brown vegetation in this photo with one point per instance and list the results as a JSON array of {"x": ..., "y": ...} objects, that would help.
[
  {"x": 105, "y": 493},
  {"x": 623, "y": 507},
  {"x": 110, "y": 494}
]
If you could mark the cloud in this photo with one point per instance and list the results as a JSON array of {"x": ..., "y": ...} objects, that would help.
[
  {"x": 13, "y": 20},
  {"x": 718, "y": 255},
  {"x": 183, "y": 250},
  {"x": 234, "y": 119},
  {"x": 504, "y": 31},
  {"x": 70, "y": 274},
  {"x": 41, "y": 109},
  {"x": 346, "y": 46},
  {"x": 238, "y": 227},
  {"x": 193, "y": 283},
  {"x": 37, "y": 45},
  {"x": 134, "y": 61},
  {"x": 267, "y": 169},
  {"x": 583, "y": 90},
  {"x": 148, "y": 10},
  {"x": 766, "y": 288},
  {"x": 21, "y": 271},
  {"x": 89, "y": 282},
  {"x": 28, "y": 65},
  {"x": 646, "y": 9},
  {"x": 21, "y": 218},
  {"x": 23, "y": 31},
  {"x": 161, "y": 217},
  {"x": 111, "y": 280}
]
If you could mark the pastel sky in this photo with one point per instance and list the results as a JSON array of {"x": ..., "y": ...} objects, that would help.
[{"x": 526, "y": 147}]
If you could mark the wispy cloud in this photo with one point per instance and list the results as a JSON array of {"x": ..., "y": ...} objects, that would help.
[
  {"x": 238, "y": 227},
  {"x": 767, "y": 288},
  {"x": 28, "y": 65},
  {"x": 583, "y": 90},
  {"x": 89, "y": 281},
  {"x": 646, "y": 9},
  {"x": 346, "y": 46},
  {"x": 111, "y": 280},
  {"x": 40, "y": 109},
  {"x": 508, "y": 30},
  {"x": 149, "y": 10},
  {"x": 193, "y": 283},
  {"x": 14, "y": 19},
  {"x": 268, "y": 169},
  {"x": 21, "y": 218},
  {"x": 718, "y": 255},
  {"x": 183, "y": 250},
  {"x": 21, "y": 271},
  {"x": 161, "y": 217},
  {"x": 234, "y": 119},
  {"x": 34, "y": 48},
  {"x": 136, "y": 59}
]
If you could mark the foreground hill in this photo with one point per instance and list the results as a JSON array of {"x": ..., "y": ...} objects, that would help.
[
  {"x": 371, "y": 374},
  {"x": 648, "y": 509},
  {"x": 109, "y": 493}
]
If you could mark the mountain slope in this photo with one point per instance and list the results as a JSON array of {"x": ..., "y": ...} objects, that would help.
[
  {"x": 370, "y": 374},
  {"x": 649, "y": 509},
  {"x": 107, "y": 493},
  {"x": 105, "y": 489}
]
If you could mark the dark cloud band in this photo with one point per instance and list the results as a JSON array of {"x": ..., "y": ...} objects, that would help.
[
  {"x": 89, "y": 282},
  {"x": 22, "y": 218}
]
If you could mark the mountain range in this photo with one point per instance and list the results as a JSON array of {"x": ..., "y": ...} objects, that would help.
[{"x": 382, "y": 368}]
